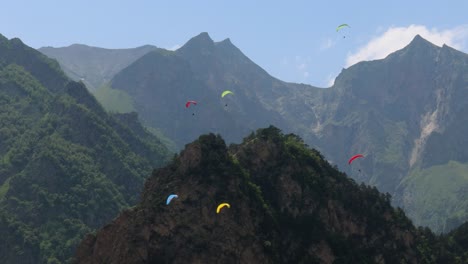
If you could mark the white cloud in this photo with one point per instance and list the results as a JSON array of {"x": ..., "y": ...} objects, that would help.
[
  {"x": 326, "y": 44},
  {"x": 175, "y": 47},
  {"x": 306, "y": 74},
  {"x": 396, "y": 38}
]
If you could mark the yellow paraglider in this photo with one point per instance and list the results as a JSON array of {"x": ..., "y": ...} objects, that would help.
[
  {"x": 226, "y": 93},
  {"x": 221, "y": 206}
]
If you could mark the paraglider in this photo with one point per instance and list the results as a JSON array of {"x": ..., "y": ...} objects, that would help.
[
  {"x": 170, "y": 197},
  {"x": 341, "y": 27},
  {"x": 226, "y": 93},
  {"x": 221, "y": 206},
  {"x": 355, "y": 157},
  {"x": 188, "y": 104}
]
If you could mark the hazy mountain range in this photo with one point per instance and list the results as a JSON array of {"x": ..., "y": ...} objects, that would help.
[{"x": 94, "y": 66}]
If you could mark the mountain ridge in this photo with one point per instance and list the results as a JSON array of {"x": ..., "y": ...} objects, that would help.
[
  {"x": 392, "y": 109},
  {"x": 381, "y": 110},
  {"x": 67, "y": 166},
  {"x": 265, "y": 214},
  {"x": 286, "y": 205}
]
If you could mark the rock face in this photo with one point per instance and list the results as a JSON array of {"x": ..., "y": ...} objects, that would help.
[{"x": 287, "y": 205}]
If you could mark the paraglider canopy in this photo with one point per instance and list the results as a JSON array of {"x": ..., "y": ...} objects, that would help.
[
  {"x": 341, "y": 26},
  {"x": 190, "y": 102},
  {"x": 221, "y": 206},
  {"x": 170, "y": 197},
  {"x": 355, "y": 157},
  {"x": 226, "y": 93}
]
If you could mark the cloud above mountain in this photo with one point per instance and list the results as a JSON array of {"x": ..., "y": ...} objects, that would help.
[{"x": 396, "y": 38}]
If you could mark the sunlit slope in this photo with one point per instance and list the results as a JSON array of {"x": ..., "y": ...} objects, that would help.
[{"x": 437, "y": 196}]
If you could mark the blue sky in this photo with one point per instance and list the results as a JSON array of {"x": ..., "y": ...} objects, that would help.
[{"x": 294, "y": 41}]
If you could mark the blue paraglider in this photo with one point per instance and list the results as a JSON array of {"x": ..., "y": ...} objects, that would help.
[{"x": 170, "y": 197}]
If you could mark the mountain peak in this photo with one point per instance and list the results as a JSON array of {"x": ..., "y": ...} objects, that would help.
[
  {"x": 418, "y": 38},
  {"x": 420, "y": 42},
  {"x": 227, "y": 44},
  {"x": 204, "y": 35},
  {"x": 14, "y": 41},
  {"x": 200, "y": 42},
  {"x": 202, "y": 38},
  {"x": 227, "y": 41}
]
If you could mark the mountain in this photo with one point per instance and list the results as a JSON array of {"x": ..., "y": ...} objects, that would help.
[
  {"x": 404, "y": 113},
  {"x": 287, "y": 205},
  {"x": 67, "y": 167},
  {"x": 94, "y": 66},
  {"x": 163, "y": 81}
]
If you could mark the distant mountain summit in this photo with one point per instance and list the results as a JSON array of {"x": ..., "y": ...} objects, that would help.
[
  {"x": 198, "y": 44},
  {"x": 94, "y": 66}
]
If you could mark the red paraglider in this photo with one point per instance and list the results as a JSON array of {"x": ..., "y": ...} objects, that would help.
[
  {"x": 355, "y": 157},
  {"x": 190, "y": 102}
]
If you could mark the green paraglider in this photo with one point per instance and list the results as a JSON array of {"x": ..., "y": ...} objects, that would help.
[
  {"x": 226, "y": 93},
  {"x": 341, "y": 26}
]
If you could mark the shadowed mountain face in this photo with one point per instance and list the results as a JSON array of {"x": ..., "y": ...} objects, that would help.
[
  {"x": 162, "y": 83},
  {"x": 405, "y": 113},
  {"x": 67, "y": 166},
  {"x": 287, "y": 205},
  {"x": 94, "y": 66}
]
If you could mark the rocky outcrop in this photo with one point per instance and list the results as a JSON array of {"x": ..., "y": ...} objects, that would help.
[{"x": 288, "y": 205}]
